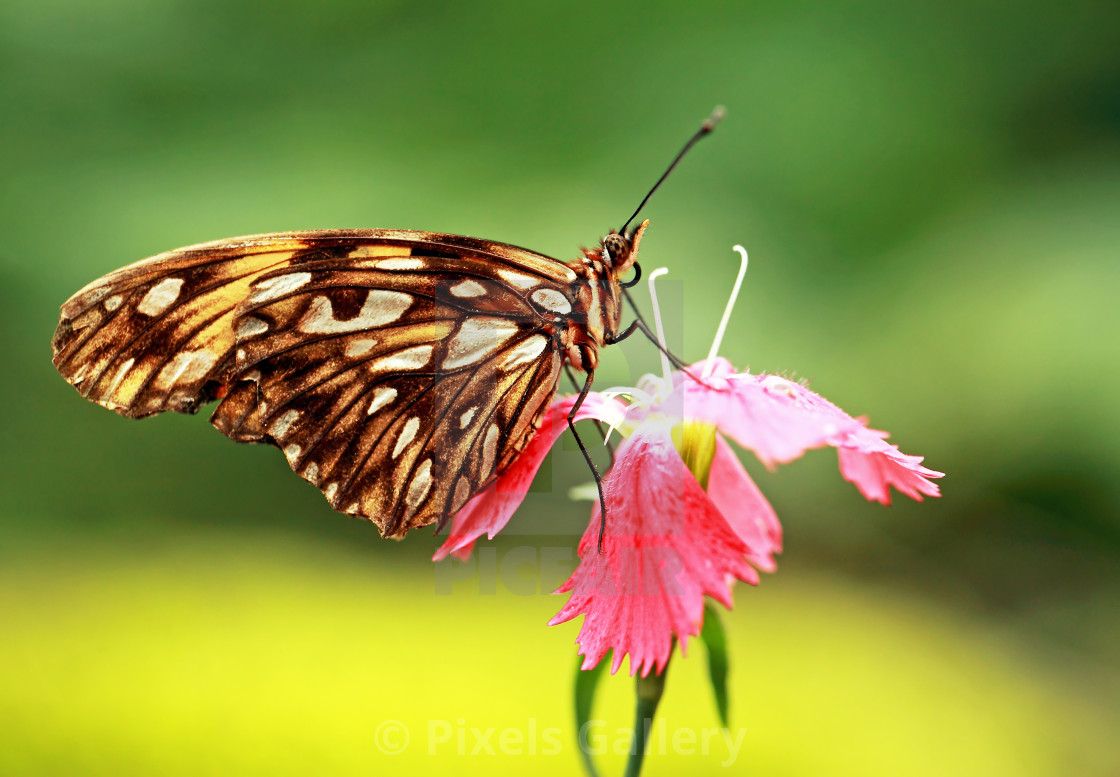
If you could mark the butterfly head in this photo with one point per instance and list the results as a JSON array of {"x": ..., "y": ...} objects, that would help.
[{"x": 620, "y": 249}]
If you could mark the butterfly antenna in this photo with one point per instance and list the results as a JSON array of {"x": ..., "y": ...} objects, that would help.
[{"x": 708, "y": 125}]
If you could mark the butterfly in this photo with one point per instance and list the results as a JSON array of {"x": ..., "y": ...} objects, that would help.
[{"x": 400, "y": 372}]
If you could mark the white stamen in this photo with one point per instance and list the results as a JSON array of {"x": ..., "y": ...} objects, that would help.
[
  {"x": 634, "y": 395},
  {"x": 727, "y": 311},
  {"x": 636, "y": 398},
  {"x": 666, "y": 369},
  {"x": 584, "y": 492}
]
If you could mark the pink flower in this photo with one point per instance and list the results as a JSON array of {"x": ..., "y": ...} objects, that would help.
[
  {"x": 667, "y": 546},
  {"x": 669, "y": 541}
]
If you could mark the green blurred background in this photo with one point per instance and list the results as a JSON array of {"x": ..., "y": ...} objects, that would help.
[{"x": 931, "y": 198}]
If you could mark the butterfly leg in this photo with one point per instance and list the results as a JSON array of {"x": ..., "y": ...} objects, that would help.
[
  {"x": 587, "y": 456},
  {"x": 676, "y": 362},
  {"x": 598, "y": 424},
  {"x": 641, "y": 325}
]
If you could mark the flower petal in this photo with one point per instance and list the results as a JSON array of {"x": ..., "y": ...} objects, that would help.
[
  {"x": 744, "y": 507},
  {"x": 779, "y": 420},
  {"x": 489, "y": 511},
  {"x": 866, "y": 458},
  {"x": 760, "y": 417},
  {"x": 667, "y": 547},
  {"x": 873, "y": 466}
]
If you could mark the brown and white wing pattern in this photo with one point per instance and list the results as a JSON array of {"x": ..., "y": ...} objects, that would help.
[
  {"x": 398, "y": 371},
  {"x": 157, "y": 335}
]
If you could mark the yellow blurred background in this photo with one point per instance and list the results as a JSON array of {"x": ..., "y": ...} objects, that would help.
[{"x": 930, "y": 196}]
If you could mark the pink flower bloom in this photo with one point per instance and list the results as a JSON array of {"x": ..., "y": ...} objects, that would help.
[
  {"x": 667, "y": 546},
  {"x": 668, "y": 542}
]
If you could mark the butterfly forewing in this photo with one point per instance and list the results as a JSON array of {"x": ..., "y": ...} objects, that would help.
[
  {"x": 398, "y": 371},
  {"x": 155, "y": 335}
]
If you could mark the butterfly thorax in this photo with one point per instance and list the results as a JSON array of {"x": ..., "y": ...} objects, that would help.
[{"x": 597, "y": 312}]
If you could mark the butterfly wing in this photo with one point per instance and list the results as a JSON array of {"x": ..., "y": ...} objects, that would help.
[
  {"x": 157, "y": 335},
  {"x": 399, "y": 371}
]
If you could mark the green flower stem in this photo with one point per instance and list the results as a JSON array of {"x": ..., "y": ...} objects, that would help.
[
  {"x": 586, "y": 684},
  {"x": 696, "y": 442},
  {"x": 649, "y": 690},
  {"x": 715, "y": 639}
]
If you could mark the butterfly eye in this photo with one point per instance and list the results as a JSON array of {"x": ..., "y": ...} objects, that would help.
[{"x": 616, "y": 248}]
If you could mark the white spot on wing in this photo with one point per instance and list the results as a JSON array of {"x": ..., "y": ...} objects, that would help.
[
  {"x": 250, "y": 326},
  {"x": 476, "y": 338},
  {"x": 367, "y": 251},
  {"x": 292, "y": 452},
  {"x": 360, "y": 347},
  {"x": 468, "y": 288},
  {"x": 551, "y": 299},
  {"x": 271, "y": 288},
  {"x": 420, "y": 485},
  {"x": 525, "y": 352},
  {"x": 160, "y": 297},
  {"x": 462, "y": 494},
  {"x": 186, "y": 367},
  {"x": 489, "y": 449},
  {"x": 381, "y": 307},
  {"x": 282, "y": 424},
  {"x": 312, "y": 472},
  {"x": 519, "y": 280},
  {"x": 121, "y": 372},
  {"x": 330, "y": 491},
  {"x": 408, "y": 359},
  {"x": 465, "y": 418},
  {"x": 113, "y": 302},
  {"x": 407, "y": 435},
  {"x": 398, "y": 263},
  {"x": 382, "y": 395}
]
